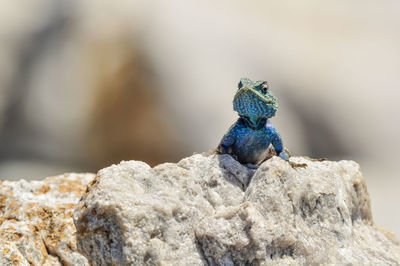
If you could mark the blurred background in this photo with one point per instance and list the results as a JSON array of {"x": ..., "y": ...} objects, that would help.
[{"x": 84, "y": 84}]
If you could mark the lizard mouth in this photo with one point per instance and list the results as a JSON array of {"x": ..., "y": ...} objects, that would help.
[{"x": 250, "y": 91}]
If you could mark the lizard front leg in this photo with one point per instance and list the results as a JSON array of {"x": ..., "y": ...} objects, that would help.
[
  {"x": 276, "y": 141},
  {"x": 225, "y": 147}
]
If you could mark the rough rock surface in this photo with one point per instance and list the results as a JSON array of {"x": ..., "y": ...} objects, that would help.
[
  {"x": 213, "y": 210},
  {"x": 36, "y": 226}
]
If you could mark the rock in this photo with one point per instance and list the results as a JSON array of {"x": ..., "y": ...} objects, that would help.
[
  {"x": 213, "y": 210},
  {"x": 36, "y": 226}
]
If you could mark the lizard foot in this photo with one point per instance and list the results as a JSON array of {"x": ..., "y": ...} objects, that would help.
[{"x": 284, "y": 155}]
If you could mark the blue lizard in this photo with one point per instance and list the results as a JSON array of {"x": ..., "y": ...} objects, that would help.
[{"x": 248, "y": 139}]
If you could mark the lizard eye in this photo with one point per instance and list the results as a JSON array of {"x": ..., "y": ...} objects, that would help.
[{"x": 264, "y": 88}]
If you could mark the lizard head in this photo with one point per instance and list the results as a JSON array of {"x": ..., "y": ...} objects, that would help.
[{"x": 253, "y": 100}]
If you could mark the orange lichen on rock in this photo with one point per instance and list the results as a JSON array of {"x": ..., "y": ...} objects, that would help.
[
  {"x": 45, "y": 188},
  {"x": 74, "y": 186},
  {"x": 36, "y": 224}
]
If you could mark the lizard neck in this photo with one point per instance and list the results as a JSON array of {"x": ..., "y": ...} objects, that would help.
[{"x": 255, "y": 123}]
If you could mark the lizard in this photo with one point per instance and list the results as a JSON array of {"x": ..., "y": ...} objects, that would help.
[{"x": 249, "y": 137}]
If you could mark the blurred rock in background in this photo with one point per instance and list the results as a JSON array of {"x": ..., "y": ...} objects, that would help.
[{"x": 87, "y": 84}]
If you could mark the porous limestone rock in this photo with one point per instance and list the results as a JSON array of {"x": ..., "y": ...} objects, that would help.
[
  {"x": 213, "y": 210},
  {"x": 36, "y": 226}
]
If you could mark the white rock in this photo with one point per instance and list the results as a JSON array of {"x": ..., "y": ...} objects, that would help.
[{"x": 200, "y": 211}]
